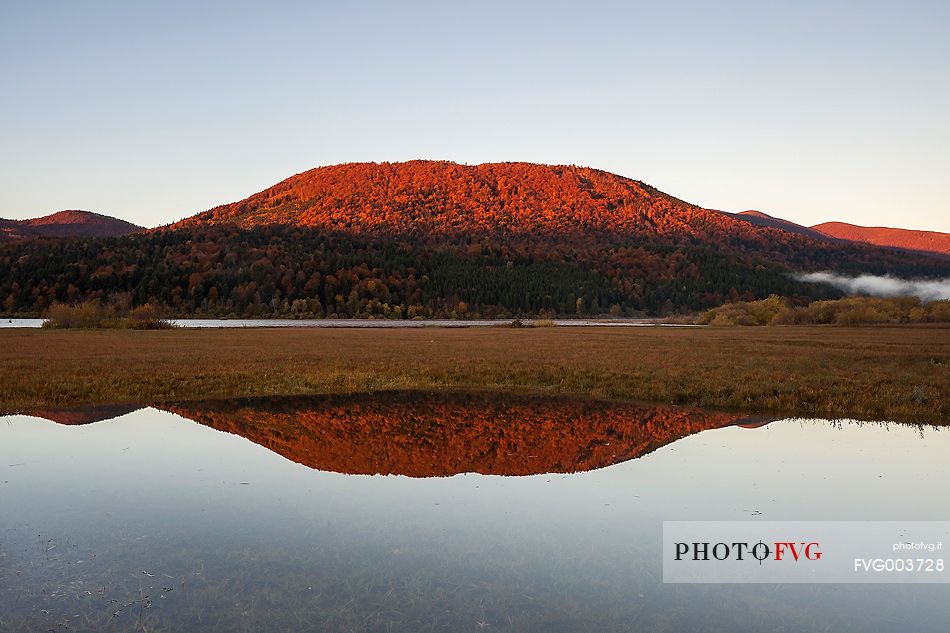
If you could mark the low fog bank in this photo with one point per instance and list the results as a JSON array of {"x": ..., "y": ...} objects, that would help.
[{"x": 883, "y": 286}]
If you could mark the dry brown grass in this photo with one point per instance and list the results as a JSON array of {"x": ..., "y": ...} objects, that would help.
[{"x": 896, "y": 373}]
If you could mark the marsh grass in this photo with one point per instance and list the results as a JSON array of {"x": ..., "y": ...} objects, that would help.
[
  {"x": 93, "y": 314},
  {"x": 847, "y": 311},
  {"x": 518, "y": 324},
  {"x": 893, "y": 373}
]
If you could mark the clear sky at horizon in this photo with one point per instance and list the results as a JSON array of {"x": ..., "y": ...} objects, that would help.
[{"x": 155, "y": 111}]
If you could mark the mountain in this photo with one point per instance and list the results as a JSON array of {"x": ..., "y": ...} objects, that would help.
[
  {"x": 440, "y": 198},
  {"x": 439, "y": 239},
  {"x": 434, "y": 199},
  {"x": 763, "y": 219},
  {"x": 70, "y": 223},
  {"x": 931, "y": 241}
]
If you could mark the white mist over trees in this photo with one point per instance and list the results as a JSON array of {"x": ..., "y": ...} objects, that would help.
[{"x": 884, "y": 286}]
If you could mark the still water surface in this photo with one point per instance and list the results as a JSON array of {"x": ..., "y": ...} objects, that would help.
[{"x": 423, "y": 512}]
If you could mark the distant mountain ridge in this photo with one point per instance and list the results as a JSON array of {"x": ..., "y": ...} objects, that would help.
[
  {"x": 763, "y": 219},
  {"x": 929, "y": 241},
  {"x": 907, "y": 239},
  {"x": 69, "y": 223}
]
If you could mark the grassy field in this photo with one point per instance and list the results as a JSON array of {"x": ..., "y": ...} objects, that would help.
[{"x": 894, "y": 373}]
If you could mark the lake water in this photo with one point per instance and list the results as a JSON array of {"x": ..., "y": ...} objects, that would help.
[
  {"x": 21, "y": 323},
  {"x": 365, "y": 323},
  {"x": 429, "y": 512}
]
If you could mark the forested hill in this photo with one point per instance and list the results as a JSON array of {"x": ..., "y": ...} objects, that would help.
[
  {"x": 440, "y": 239},
  {"x": 70, "y": 223},
  {"x": 438, "y": 198}
]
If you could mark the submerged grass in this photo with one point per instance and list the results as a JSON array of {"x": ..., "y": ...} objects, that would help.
[{"x": 895, "y": 373}]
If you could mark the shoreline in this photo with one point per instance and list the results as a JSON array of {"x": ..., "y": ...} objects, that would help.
[{"x": 211, "y": 323}]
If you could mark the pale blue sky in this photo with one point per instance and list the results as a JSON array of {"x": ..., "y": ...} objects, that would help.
[{"x": 155, "y": 111}]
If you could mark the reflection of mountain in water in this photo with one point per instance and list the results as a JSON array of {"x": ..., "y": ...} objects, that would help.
[
  {"x": 427, "y": 435},
  {"x": 85, "y": 415}
]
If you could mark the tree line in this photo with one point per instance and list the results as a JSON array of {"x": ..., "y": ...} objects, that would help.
[{"x": 287, "y": 271}]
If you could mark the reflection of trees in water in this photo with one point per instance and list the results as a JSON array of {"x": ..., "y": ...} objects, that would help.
[
  {"x": 841, "y": 423},
  {"x": 425, "y": 435}
]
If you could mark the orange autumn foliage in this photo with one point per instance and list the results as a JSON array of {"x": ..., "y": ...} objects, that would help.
[{"x": 441, "y": 197}]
